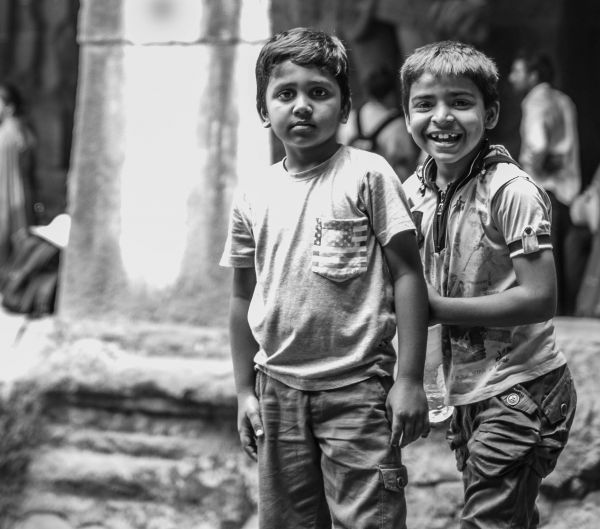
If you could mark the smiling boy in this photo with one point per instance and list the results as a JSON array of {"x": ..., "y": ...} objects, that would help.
[
  {"x": 326, "y": 268},
  {"x": 484, "y": 231}
]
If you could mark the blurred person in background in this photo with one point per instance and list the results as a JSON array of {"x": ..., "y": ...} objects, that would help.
[
  {"x": 583, "y": 250},
  {"x": 549, "y": 150},
  {"x": 29, "y": 255},
  {"x": 17, "y": 143},
  {"x": 378, "y": 124}
]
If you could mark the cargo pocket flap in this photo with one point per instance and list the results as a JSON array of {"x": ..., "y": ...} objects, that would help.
[
  {"x": 394, "y": 478},
  {"x": 557, "y": 405},
  {"x": 515, "y": 398}
]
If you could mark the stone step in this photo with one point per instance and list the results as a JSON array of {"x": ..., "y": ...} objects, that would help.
[
  {"x": 211, "y": 442},
  {"x": 151, "y": 338},
  {"x": 91, "y": 370},
  {"x": 143, "y": 478}
]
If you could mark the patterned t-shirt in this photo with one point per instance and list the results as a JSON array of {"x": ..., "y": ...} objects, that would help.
[
  {"x": 323, "y": 308},
  {"x": 496, "y": 213}
]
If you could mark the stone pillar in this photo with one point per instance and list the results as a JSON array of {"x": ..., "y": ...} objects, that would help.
[{"x": 165, "y": 125}]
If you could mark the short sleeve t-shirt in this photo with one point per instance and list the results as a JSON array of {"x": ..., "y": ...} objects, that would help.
[
  {"x": 498, "y": 214},
  {"x": 323, "y": 308}
]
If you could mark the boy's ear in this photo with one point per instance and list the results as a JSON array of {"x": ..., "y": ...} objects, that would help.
[
  {"x": 407, "y": 121},
  {"x": 266, "y": 122},
  {"x": 492, "y": 113}
]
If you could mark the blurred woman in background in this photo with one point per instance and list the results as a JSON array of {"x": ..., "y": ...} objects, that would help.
[{"x": 17, "y": 143}]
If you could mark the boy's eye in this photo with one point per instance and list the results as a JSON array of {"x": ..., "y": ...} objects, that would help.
[
  {"x": 421, "y": 105},
  {"x": 462, "y": 103},
  {"x": 320, "y": 92},
  {"x": 285, "y": 95}
]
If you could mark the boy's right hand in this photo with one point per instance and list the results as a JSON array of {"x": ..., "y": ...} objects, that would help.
[
  {"x": 407, "y": 411},
  {"x": 249, "y": 423}
]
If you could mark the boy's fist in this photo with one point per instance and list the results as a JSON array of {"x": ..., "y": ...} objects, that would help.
[{"x": 249, "y": 424}]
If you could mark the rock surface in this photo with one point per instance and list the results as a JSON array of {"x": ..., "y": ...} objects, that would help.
[{"x": 128, "y": 427}]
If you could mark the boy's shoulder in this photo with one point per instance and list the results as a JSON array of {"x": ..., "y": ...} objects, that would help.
[
  {"x": 357, "y": 164},
  {"x": 497, "y": 169},
  {"x": 365, "y": 158},
  {"x": 501, "y": 174},
  {"x": 500, "y": 169}
]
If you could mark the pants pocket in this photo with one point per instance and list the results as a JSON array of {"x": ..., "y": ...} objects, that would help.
[
  {"x": 394, "y": 479},
  {"x": 392, "y": 502},
  {"x": 507, "y": 434},
  {"x": 558, "y": 409},
  {"x": 561, "y": 402}
]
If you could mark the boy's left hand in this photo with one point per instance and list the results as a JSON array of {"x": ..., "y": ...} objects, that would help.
[{"x": 408, "y": 412}]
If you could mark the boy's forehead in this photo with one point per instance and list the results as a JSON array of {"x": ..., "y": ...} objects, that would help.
[
  {"x": 436, "y": 83},
  {"x": 288, "y": 70}
]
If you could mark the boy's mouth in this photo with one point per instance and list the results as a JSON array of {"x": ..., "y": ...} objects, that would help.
[
  {"x": 444, "y": 137},
  {"x": 302, "y": 124}
]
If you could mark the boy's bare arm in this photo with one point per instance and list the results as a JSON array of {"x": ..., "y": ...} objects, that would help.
[
  {"x": 243, "y": 349},
  {"x": 532, "y": 300},
  {"x": 407, "y": 404}
]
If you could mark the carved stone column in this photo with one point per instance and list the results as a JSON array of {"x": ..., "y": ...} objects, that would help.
[{"x": 165, "y": 126}]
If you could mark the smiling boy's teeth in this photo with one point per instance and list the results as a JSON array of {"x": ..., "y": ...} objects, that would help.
[{"x": 440, "y": 136}]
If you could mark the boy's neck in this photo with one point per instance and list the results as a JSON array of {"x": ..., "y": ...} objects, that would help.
[
  {"x": 446, "y": 174},
  {"x": 300, "y": 160}
]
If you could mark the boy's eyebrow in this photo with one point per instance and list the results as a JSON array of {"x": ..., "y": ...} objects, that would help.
[
  {"x": 463, "y": 91},
  {"x": 282, "y": 82},
  {"x": 279, "y": 83}
]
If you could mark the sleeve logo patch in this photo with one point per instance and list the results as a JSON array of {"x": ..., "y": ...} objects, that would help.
[{"x": 529, "y": 240}]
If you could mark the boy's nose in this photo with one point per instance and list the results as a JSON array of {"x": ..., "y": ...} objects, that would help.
[
  {"x": 302, "y": 107},
  {"x": 442, "y": 114}
]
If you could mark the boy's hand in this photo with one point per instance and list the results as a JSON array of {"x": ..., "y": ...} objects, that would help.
[
  {"x": 408, "y": 412},
  {"x": 249, "y": 423}
]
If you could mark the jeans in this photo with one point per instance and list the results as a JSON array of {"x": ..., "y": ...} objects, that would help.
[
  {"x": 505, "y": 445},
  {"x": 325, "y": 459}
]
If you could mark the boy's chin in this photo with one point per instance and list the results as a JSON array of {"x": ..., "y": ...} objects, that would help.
[
  {"x": 454, "y": 152},
  {"x": 447, "y": 155}
]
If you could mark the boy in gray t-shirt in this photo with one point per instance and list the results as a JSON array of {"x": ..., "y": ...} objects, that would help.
[{"x": 326, "y": 267}]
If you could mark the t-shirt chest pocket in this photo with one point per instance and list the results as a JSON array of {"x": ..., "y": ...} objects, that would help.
[{"x": 340, "y": 248}]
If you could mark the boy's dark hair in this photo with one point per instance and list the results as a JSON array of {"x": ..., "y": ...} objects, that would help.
[
  {"x": 539, "y": 62},
  {"x": 304, "y": 47},
  {"x": 454, "y": 59},
  {"x": 11, "y": 96}
]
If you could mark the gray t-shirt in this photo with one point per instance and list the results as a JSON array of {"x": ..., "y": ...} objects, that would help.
[{"x": 323, "y": 308}]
